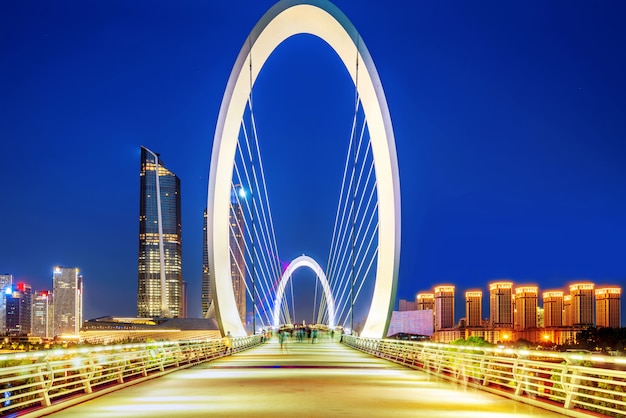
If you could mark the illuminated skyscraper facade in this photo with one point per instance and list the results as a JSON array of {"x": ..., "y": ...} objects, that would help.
[
  {"x": 67, "y": 293},
  {"x": 582, "y": 304},
  {"x": 18, "y": 309},
  {"x": 425, "y": 301},
  {"x": 501, "y": 304},
  {"x": 160, "y": 273},
  {"x": 608, "y": 307},
  {"x": 237, "y": 257},
  {"x": 553, "y": 309},
  {"x": 237, "y": 250},
  {"x": 474, "y": 308},
  {"x": 42, "y": 314},
  {"x": 206, "y": 291},
  {"x": 444, "y": 307},
  {"x": 6, "y": 280},
  {"x": 525, "y": 307},
  {"x": 568, "y": 317}
]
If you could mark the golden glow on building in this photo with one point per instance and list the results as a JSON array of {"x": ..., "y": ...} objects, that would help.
[
  {"x": 526, "y": 307},
  {"x": 582, "y": 304},
  {"x": 608, "y": 307},
  {"x": 444, "y": 307},
  {"x": 501, "y": 304},
  {"x": 424, "y": 301},
  {"x": 553, "y": 309},
  {"x": 473, "y": 308}
]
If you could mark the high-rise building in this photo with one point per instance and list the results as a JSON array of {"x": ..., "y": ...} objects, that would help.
[
  {"x": 237, "y": 249},
  {"x": 42, "y": 314},
  {"x": 525, "y": 307},
  {"x": 237, "y": 257},
  {"x": 553, "y": 309},
  {"x": 160, "y": 273},
  {"x": 424, "y": 301},
  {"x": 582, "y": 304},
  {"x": 501, "y": 304},
  {"x": 67, "y": 293},
  {"x": 474, "y": 308},
  {"x": 206, "y": 291},
  {"x": 18, "y": 309},
  {"x": 608, "y": 309},
  {"x": 6, "y": 281},
  {"x": 568, "y": 317},
  {"x": 444, "y": 307}
]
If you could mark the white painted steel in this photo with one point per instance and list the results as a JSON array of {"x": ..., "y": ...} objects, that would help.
[
  {"x": 55, "y": 378},
  {"x": 573, "y": 384},
  {"x": 324, "y": 20},
  {"x": 304, "y": 261}
]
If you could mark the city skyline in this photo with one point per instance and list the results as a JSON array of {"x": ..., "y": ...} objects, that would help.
[{"x": 508, "y": 121}]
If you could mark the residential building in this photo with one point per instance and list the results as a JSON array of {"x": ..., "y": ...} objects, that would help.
[{"x": 608, "y": 307}]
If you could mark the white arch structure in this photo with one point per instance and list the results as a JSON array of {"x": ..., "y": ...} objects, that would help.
[
  {"x": 304, "y": 261},
  {"x": 324, "y": 20}
]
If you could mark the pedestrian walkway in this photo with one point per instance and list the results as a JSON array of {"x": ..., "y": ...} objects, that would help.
[{"x": 304, "y": 380}]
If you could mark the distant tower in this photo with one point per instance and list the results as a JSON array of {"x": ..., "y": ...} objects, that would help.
[
  {"x": 425, "y": 301},
  {"x": 206, "y": 293},
  {"x": 526, "y": 307},
  {"x": 67, "y": 293},
  {"x": 160, "y": 272},
  {"x": 568, "y": 317},
  {"x": 6, "y": 280},
  {"x": 42, "y": 314},
  {"x": 18, "y": 309},
  {"x": 553, "y": 309},
  {"x": 237, "y": 248},
  {"x": 608, "y": 309},
  {"x": 444, "y": 307},
  {"x": 582, "y": 304},
  {"x": 501, "y": 304},
  {"x": 474, "y": 308}
]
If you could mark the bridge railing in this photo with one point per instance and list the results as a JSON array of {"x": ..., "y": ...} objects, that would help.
[
  {"x": 51, "y": 379},
  {"x": 574, "y": 384}
]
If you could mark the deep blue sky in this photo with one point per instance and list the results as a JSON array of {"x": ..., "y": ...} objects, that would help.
[{"x": 509, "y": 117}]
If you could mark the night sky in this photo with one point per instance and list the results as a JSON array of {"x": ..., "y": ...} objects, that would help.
[{"x": 509, "y": 118}]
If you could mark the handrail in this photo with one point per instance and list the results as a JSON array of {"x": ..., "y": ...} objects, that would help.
[
  {"x": 38, "y": 381},
  {"x": 573, "y": 384}
]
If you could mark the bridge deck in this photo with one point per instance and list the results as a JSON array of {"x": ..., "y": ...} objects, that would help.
[{"x": 325, "y": 379}]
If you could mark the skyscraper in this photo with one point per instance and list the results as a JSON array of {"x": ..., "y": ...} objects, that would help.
[
  {"x": 237, "y": 249},
  {"x": 42, "y": 314},
  {"x": 608, "y": 309},
  {"x": 526, "y": 307},
  {"x": 67, "y": 293},
  {"x": 444, "y": 307},
  {"x": 501, "y": 304},
  {"x": 474, "y": 308},
  {"x": 18, "y": 309},
  {"x": 425, "y": 301},
  {"x": 6, "y": 280},
  {"x": 206, "y": 291},
  {"x": 568, "y": 317},
  {"x": 582, "y": 304},
  {"x": 160, "y": 274},
  {"x": 237, "y": 256},
  {"x": 553, "y": 309}
]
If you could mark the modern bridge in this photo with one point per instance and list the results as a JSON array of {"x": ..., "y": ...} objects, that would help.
[{"x": 354, "y": 377}]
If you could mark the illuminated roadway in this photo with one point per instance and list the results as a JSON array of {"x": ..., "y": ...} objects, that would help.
[{"x": 325, "y": 379}]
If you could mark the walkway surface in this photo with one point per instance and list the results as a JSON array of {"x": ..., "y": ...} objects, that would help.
[{"x": 305, "y": 380}]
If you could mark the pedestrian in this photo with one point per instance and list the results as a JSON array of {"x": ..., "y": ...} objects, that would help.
[{"x": 228, "y": 343}]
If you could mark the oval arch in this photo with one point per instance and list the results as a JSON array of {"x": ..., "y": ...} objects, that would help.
[
  {"x": 304, "y": 261},
  {"x": 324, "y": 20}
]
